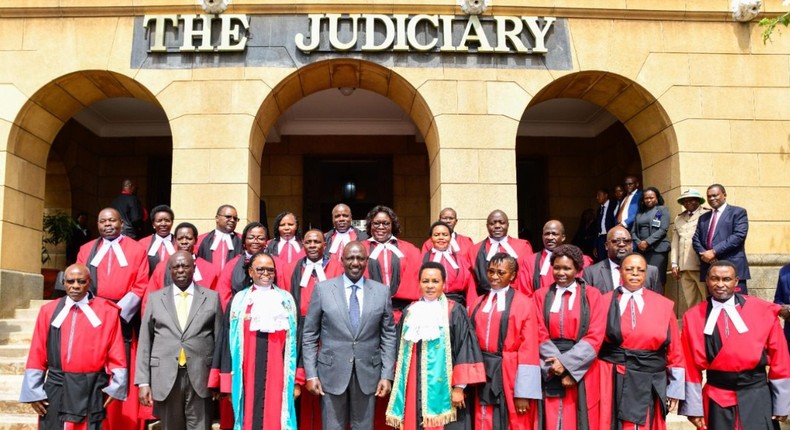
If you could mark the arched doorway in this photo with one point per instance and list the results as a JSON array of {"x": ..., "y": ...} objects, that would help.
[
  {"x": 64, "y": 141},
  {"x": 585, "y": 131},
  {"x": 345, "y": 130}
]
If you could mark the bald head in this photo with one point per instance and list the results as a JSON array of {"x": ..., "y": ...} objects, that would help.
[
  {"x": 497, "y": 224},
  {"x": 182, "y": 269},
  {"x": 109, "y": 223},
  {"x": 76, "y": 281},
  {"x": 553, "y": 234},
  {"x": 341, "y": 218},
  {"x": 618, "y": 243}
]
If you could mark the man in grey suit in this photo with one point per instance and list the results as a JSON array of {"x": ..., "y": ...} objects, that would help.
[
  {"x": 605, "y": 274},
  {"x": 351, "y": 317},
  {"x": 177, "y": 338}
]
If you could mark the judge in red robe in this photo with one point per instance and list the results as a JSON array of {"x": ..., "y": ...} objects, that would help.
[
  {"x": 76, "y": 358},
  {"x": 159, "y": 246},
  {"x": 257, "y": 358},
  {"x": 538, "y": 265},
  {"x": 342, "y": 232},
  {"x": 641, "y": 360},
  {"x": 315, "y": 267},
  {"x": 119, "y": 272},
  {"x": 438, "y": 354},
  {"x": 571, "y": 329},
  {"x": 506, "y": 325},
  {"x": 455, "y": 263},
  {"x": 733, "y": 338},
  {"x": 286, "y": 246},
  {"x": 458, "y": 243},
  {"x": 499, "y": 241},
  {"x": 392, "y": 261},
  {"x": 221, "y": 244},
  {"x": 234, "y": 278},
  {"x": 205, "y": 275}
]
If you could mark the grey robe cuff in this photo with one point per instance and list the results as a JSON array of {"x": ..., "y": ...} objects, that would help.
[
  {"x": 691, "y": 406},
  {"x": 547, "y": 349},
  {"x": 129, "y": 305},
  {"x": 780, "y": 395},
  {"x": 577, "y": 360},
  {"x": 677, "y": 382},
  {"x": 528, "y": 382},
  {"x": 33, "y": 386},
  {"x": 119, "y": 384}
]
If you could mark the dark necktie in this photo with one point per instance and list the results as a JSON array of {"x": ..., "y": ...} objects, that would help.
[
  {"x": 712, "y": 228},
  {"x": 353, "y": 309}
]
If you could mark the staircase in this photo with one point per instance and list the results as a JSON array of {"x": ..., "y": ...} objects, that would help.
[{"x": 15, "y": 335}]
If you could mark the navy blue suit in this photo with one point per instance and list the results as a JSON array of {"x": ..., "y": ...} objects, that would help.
[
  {"x": 629, "y": 213},
  {"x": 609, "y": 221},
  {"x": 782, "y": 295},
  {"x": 729, "y": 237}
]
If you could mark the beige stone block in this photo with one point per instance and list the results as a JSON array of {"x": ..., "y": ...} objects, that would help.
[
  {"x": 211, "y": 131},
  {"x": 25, "y": 258},
  {"x": 156, "y": 81},
  {"x": 253, "y": 210},
  {"x": 218, "y": 74},
  {"x": 316, "y": 77},
  {"x": 658, "y": 147},
  {"x": 681, "y": 102},
  {"x": 247, "y": 96},
  {"x": 11, "y": 34},
  {"x": 228, "y": 165},
  {"x": 29, "y": 147},
  {"x": 629, "y": 103},
  {"x": 760, "y": 136},
  {"x": 374, "y": 79},
  {"x": 739, "y": 70},
  {"x": 727, "y": 169},
  {"x": 531, "y": 81},
  {"x": 768, "y": 238},
  {"x": 288, "y": 92},
  {"x": 212, "y": 196},
  {"x": 257, "y": 141},
  {"x": 591, "y": 44},
  {"x": 254, "y": 176},
  {"x": 421, "y": 115},
  {"x": 762, "y": 203},
  {"x": 472, "y": 97},
  {"x": 93, "y": 47},
  {"x": 13, "y": 100},
  {"x": 14, "y": 202},
  {"x": 709, "y": 37},
  {"x": 647, "y": 123},
  {"x": 24, "y": 176},
  {"x": 506, "y": 98},
  {"x": 656, "y": 175},
  {"x": 441, "y": 96},
  {"x": 771, "y": 103},
  {"x": 417, "y": 77},
  {"x": 476, "y": 201},
  {"x": 728, "y": 103},
  {"x": 637, "y": 38},
  {"x": 469, "y": 74},
  {"x": 497, "y": 166},
  {"x": 271, "y": 76},
  {"x": 476, "y": 131},
  {"x": 661, "y": 71},
  {"x": 774, "y": 172},
  {"x": 402, "y": 93},
  {"x": 458, "y": 166},
  {"x": 704, "y": 135},
  {"x": 40, "y": 123}
]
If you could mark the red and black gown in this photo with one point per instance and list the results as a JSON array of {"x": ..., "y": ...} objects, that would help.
[
  {"x": 220, "y": 256},
  {"x": 534, "y": 262},
  {"x": 73, "y": 366},
  {"x": 330, "y": 236},
  {"x": 467, "y": 369},
  {"x": 161, "y": 254},
  {"x": 641, "y": 363},
  {"x": 738, "y": 393},
  {"x": 205, "y": 276},
  {"x": 309, "y": 404},
  {"x": 509, "y": 342},
  {"x": 398, "y": 273},
  {"x": 126, "y": 286},
  {"x": 233, "y": 279},
  {"x": 574, "y": 335},
  {"x": 478, "y": 257}
]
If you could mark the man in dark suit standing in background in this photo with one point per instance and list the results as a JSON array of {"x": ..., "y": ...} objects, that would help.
[
  {"x": 721, "y": 235},
  {"x": 605, "y": 274},
  {"x": 176, "y": 347},
  {"x": 352, "y": 319},
  {"x": 605, "y": 219}
]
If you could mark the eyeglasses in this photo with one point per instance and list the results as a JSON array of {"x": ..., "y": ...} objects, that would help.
[
  {"x": 229, "y": 217},
  {"x": 619, "y": 241},
  {"x": 381, "y": 224},
  {"x": 256, "y": 238},
  {"x": 263, "y": 270}
]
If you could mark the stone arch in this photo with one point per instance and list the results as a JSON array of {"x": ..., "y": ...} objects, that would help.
[
  {"x": 338, "y": 73},
  {"x": 34, "y": 129}
]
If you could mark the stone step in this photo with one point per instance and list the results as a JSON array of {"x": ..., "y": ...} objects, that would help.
[
  {"x": 9, "y": 404},
  {"x": 35, "y": 304},
  {"x": 18, "y": 421},
  {"x": 678, "y": 422},
  {"x": 16, "y": 337},
  {"x": 10, "y": 385},
  {"x": 17, "y": 324},
  {"x": 29, "y": 313},
  {"x": 12, "y": 365},
  {"x": 9, "y": 351}
]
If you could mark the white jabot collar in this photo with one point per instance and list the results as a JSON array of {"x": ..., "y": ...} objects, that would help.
[
  {"x": 84, "y": 306},
  {"x": 638, "y": 299},
  {"x": 731, "y": 310},
  {"x": 389, "y": 244},
  {"x": 544, "y": 268},
  {"x": 292, "y": 241},
  {"x": 340, "y": 239},
  {"x": 447, "y": 255},
  {"x": 495, "y": 244},
  {"x": 267, "y": 313},
  {"x": 116, "y": 249},
  {"x": 309, "y": 268},
  {"x": 557, "y": 303},
  {"x": 221, "y": 236},
  {"x": 454, "y": 243},
  {"x": 425, "y": 321},
  {"x": 159, "y": 241},
  {"x": 500, "y": 300}
]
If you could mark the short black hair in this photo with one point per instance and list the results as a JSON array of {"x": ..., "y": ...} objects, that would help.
[
  {"x": 162, "y": 208},
  {"x": 188, "y": 225},
  {"x": 434, "y": 265},
  {"x": 390, "y": 213}
]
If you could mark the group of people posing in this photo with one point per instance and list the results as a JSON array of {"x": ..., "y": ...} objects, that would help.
[{"x": 359, "y": 329}]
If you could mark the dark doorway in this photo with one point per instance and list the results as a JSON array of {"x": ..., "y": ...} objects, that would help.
[
  {"x": 361, "y": 183},
  {"x": 532, "y": 200}
]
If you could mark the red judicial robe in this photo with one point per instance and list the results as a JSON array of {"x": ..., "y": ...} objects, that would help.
[
  {"x": 221, "y": 255},
  {"x": 467, "y": 369},
  {"x": 161, "y": 277},
  {"x": 78, "y": 351},
  {"x": 534, "y": 262},
  {"x": 127, "y": 286},
  {"x": 478, "y": 257},
  {"x": 508, "y": 338},
  {"x": 330, "y": 236},
  {"x": 575, "y": 341},
  {"x": 233, "y": 279},
  {"x": 458, "y": 279},
  {"x": 262, "y": 370},
  {"x": 655, "y": 332},
  {"x": 288, "y": 255},
  {"x": 746, "y": 354},
  {"x": 161, "y": 254},
  {"x": 310, "y": 405},
  {"x": 400, "y": 274},
  {"x": 464, "y": 242}
]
